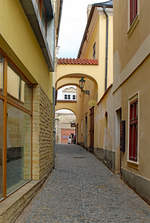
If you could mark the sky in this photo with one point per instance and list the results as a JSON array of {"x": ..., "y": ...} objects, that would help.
[{"x": 73, "y": 23}]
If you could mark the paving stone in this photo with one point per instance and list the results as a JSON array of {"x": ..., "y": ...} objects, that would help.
[{"x": 82, "y": 190}]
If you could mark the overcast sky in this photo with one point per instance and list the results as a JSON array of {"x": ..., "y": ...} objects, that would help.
[{"x": 73, "y": 23}]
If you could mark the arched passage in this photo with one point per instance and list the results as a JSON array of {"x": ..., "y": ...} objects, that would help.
[
  {"x": 73, "y": 78},
  {"x": 90, "y": 71},
  {"x": 72, "y": 106},
  {"x": 65, "y": 124}
]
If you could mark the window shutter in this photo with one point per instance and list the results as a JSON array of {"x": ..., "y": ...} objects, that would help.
[{"x": 133, "y": 131}]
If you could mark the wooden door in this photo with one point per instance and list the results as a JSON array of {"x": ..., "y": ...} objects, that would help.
[{"x": 92, "y": 129}]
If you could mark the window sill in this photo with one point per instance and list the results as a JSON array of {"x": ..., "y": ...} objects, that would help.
[
  {"x": 133, "y": 25},
  {"x": 133, "y": 165}
]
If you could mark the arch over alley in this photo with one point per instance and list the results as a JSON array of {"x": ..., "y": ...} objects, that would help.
[
  {"x": 69, "y": 105},
  {"x": 73, "y": 69}
]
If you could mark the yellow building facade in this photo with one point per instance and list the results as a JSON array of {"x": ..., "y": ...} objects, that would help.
[
  {"x": 130, "y": 92},
  {"x": 27, "y": 65},
  {"x": 95, "y": 65}
]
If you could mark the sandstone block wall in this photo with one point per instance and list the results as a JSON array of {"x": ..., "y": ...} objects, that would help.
[{"x": 43, "y": 154}]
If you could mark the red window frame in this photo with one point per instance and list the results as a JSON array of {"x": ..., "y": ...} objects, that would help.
[
  {"x": 133, "y": 10},
  {"x": 133, "y": 131}
]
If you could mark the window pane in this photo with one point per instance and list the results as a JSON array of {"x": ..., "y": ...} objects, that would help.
[
  {"x": 18, "y": 148},
  {"x": 1, "y": 74},
  {"x": 19, "y": 89},
  {"x": 1, "y": 149},
  {"x": 13, "y": 83},
  {"x": 26, "y": 95}
]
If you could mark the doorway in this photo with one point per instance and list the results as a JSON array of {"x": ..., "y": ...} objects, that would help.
[
  {"x": 117, "y": 140},
  {"x": 86, "y": 132},
  {"x": 92, "y": 129}
]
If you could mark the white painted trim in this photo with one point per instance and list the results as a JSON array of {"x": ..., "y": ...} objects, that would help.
[
  {"x": 137, "y": 59},
  {"x": 130, "y": 99}
]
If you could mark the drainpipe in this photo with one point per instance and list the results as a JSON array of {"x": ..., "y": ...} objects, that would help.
[{"x": 106, "y": 57}]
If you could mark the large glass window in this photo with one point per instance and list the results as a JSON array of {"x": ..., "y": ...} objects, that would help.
[
  {"x": 18, "y": 89},
  {"x": 15, "y": 128},
  {"x": 18, "y": 148},
  {"x": 1, "y": 74},
  {"x": 1, "y": 149}
]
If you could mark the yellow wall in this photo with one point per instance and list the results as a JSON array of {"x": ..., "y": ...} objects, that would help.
[
  {"x": 97, "y": 33},
  {"x": 131, "y": 69},
  {"x": 95, "y": 80},
  {"x": 19, "y": 42},
  {"x": 104, "y": 123}
]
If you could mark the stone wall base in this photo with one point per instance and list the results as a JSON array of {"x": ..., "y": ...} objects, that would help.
[
  {"x": 139, "y": 184},
  {"x": 12, "y": 207},
  {"x": 106, "y": 156}
]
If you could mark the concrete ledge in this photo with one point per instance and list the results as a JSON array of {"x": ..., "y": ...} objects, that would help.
[
  {"x": 138, "y": 183},
  {"x": 106, "y": 156},
  {"x": 12, "y": 207}
]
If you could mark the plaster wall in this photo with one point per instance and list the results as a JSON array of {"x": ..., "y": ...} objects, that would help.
[{"x": 19, "y": 42}]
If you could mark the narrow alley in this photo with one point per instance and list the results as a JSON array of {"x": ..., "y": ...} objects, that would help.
[{"x": 82, "y": 190}]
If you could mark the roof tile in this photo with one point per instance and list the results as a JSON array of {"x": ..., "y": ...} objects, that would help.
[{"x": 81, "y": 61}]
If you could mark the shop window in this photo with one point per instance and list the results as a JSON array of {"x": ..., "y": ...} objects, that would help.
[
  {"x": 1, "y": 74},
  {"x": 15, "y": 122},
  {"x": 133, "y": 131},
  {"x": 18, "y": 88},
  {"x": 1, "y": 149},
  {"x": 13, "y": 84},
  {"x": 133, "y": 10},
  {"x": 18, "y": 148}
]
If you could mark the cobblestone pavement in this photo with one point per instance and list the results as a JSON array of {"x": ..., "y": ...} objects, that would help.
[{"x": 82, "y": 190}]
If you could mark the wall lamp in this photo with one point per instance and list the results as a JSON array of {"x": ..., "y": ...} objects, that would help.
[{"x": 82, "y": 84}]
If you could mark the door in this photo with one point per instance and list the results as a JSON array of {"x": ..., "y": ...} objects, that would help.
[
  {"x": 86, "y": 132},
  {"x": 118, "y": 130},
  {"x": 92, "y": 129}
]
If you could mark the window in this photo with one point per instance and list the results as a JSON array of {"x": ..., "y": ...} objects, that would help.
[
  {"x": 1, "y": 149},
  {"x": 42, "y": 11},
  {"x": 94, "y": 50},
  {"x": 133, "y": 10},
  {"x": 69, "y": 96},
  {"x": 15, "y": 128},
  {"x": 18, "y": 148},
  {"x": 133, "y": 131},
  {"x": 1, "y": 73},
  {"x": 65, "y": 96},
  {"x": 17, "y": 88},
  {"x": 73, "y": 97}
]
